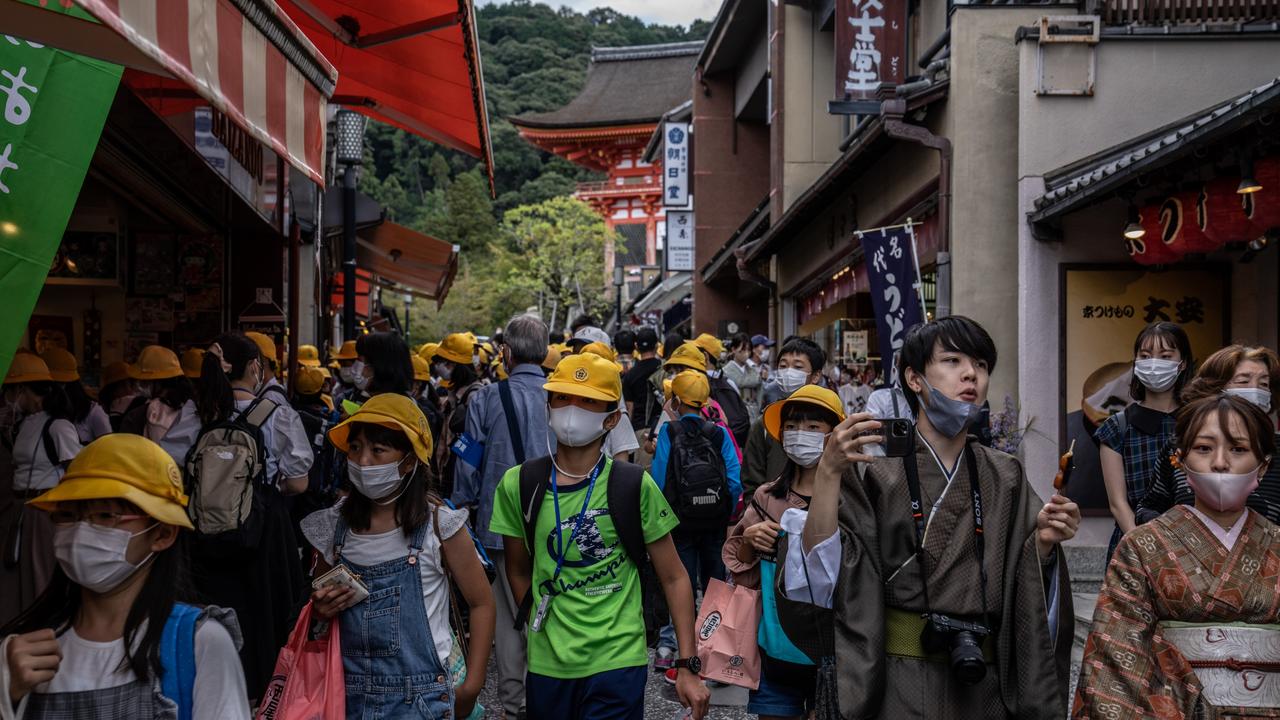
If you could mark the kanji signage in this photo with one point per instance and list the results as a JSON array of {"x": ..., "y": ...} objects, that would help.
[
  {"x": 871, "y": 42},
  {"x": 675, "y": 164},
  {"x": 679, "y": 247},
  {"x": 54, "y": 106},
  {"x": 895, "y": 288}
]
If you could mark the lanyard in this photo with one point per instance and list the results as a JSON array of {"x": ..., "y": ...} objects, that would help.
[{"x": 577, "y": 525}]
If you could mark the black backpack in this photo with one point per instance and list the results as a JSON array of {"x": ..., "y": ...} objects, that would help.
[
  {"x": 624, "y": 510},
  {"x": 697, "y": 482},
  {"x": 736, "y": 415}
]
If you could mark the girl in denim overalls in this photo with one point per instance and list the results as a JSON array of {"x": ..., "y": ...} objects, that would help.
[{"x": 397, "y": 644}]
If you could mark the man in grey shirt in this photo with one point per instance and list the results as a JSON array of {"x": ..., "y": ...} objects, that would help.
[{"x": 523, "y": 350}]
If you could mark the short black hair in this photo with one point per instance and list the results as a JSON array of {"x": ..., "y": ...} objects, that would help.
[
  {"x": 738, "y": 340},
  {"x": 956, "y": 333},
  {"x": 672, "y": 341},
  {"x": 1165, "y": 334},
  {"x": 388, "y": 356},
  {"x": 804, "y": 346},
  {"x": 624, "y": 341}
]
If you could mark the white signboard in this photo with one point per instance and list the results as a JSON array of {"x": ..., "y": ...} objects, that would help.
[
  {"x": 679, "y": 250},
  {"x": 675, "y": 165},
  {"x": 856, "y": 345}
]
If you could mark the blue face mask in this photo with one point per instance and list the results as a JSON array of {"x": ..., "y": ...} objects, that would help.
[{"x": 949, "y": 417}]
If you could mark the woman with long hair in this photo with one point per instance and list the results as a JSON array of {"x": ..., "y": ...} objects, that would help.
[
  {"x": 94, "y": 643},
  {"x": 90, "y": 419},
  {"x": 407, "y": 547},
  {"x": 169, "y": 417}
]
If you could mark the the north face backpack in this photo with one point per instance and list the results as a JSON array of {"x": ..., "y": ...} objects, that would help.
[
  {"x": 697, "y": 482},
  {"x": 227, "y": 475}
]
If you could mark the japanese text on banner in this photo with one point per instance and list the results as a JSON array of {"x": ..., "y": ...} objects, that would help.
[{"x": 895, "y": 288}]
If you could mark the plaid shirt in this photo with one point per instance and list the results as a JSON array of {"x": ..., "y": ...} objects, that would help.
[{"x": 1141, "y": 444}]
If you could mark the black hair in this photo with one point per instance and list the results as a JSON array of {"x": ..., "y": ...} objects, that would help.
[
  {"x": 78, "y": 399},
  {"x": 955, "y": 333},
  {"x": 582, "y": 321},
  {"x": 463, "y": 375},
  {"x": 624, "y": 341},
  {"x": 411, "y": 506},
  {"x": 808, "y": 348},
  {"x": 217, "y": 400},
  {"x": 109, "y": 393},
  {"x": 670, "y": 342},
  {"x": 174, "y": 391},
  {"x": 167, "y": 582},
  {"x": 53, "y": 399},
  {"x": 738, "y": 340},
  {"x": 799, "y": 412},
  {"x": 388, "y": 356},
  {"x": 1165, "y": 334}
]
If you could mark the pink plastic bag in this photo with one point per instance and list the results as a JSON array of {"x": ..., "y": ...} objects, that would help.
[
  {"x": 726, "y": 630},
  {"x": 308, "y": 682}
]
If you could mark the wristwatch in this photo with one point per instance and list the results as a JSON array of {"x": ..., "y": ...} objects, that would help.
[{"x": 694, "y": 664}]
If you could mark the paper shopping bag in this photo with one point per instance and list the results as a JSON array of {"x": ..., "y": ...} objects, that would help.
[{"x": 726, "y": 630}]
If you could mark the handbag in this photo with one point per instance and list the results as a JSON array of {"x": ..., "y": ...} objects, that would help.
[
  {"x": 308, "y": 682},
  {"x": 726, "y": 629}
]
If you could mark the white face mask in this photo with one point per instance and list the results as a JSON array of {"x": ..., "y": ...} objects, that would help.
[
  {"x": 804, "y": 447},
  {"x": 1224, "y": 492},
  {"x": 346, "y": 375},
  {"x": 1258, "y": 396},
  {"x": 1156, "y": 374},
  {"x": 377, "y": 482},
  {"x": 443, "y": 371},
  {"x": 358, "y": 377},
  {"x": 94, "y": 557},
  {"x": 792, "y": 379},
  {"x": 764, "y": 355},
  {"x": 575, "y": 426}
]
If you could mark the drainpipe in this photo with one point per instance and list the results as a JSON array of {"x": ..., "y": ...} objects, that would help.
[{"x": 892, "y": 109}]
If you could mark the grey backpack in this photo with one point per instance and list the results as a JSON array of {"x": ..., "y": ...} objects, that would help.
[{"x": 226, "y": 478}]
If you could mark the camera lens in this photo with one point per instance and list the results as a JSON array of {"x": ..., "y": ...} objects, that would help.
[
  {"x": 967, "y": 662},
  {"x": 901, "y": 428}
]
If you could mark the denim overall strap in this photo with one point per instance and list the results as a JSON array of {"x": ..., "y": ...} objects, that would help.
[{"x": 339, "y": 537}]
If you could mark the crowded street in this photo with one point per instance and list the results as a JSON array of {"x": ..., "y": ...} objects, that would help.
[{"x": 639, "y": 359}]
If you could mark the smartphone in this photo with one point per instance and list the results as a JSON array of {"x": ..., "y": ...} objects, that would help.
[{"x": 899, "y": 436}]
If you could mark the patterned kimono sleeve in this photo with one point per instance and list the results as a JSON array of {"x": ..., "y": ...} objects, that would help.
[{"x": 1120, "y": 675}]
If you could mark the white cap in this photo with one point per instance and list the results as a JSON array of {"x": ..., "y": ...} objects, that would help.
[{"x": 590, "y": 334}]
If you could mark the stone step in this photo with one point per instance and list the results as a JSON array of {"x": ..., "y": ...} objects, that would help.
[{"x": 1088, "y": 565}]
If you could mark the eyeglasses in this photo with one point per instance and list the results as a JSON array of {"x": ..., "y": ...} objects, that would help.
[{"x": 97, "y": 518}]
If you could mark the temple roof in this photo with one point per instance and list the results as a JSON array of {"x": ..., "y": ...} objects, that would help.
[{"x": 625, "y": 86}]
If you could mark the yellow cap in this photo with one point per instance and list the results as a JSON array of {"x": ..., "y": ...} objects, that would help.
[
  {"x": 127, "y": 467},
  {"x": 603, "y": 351},
  {"x": 309, "y": 380},
  {"x": 666, "y": 389},
  {"x": 687, "y": 355},
  {"x": 266, "y": 345},
  {"x": 483, "y": 354},
  {"x": 115, "y": 372},
  {"x": 499, "y": 369},
  {"x": 807, "y": 394},
  {"x": 347, "y": 351},
  {"x": 710, "y": 344},
  {"x": 553, "y": 357},
  {"x": 192, "y": 362},
  {"x": 458, "y": 348},
  {"x": 586, "y": 375},
  {"x": 421, "y": 368},
  {"x": 156, "y": 363},
  {"x": 393, "y": 411},
  {"x": 62, "y": 365},
  {"x": 324, "y": 372},
  {"x": 691, "y": 388},
  {"x": 27, "y": 367},
  {"x": 308, "y": 356},
  {"x": 428, "y": 350}
]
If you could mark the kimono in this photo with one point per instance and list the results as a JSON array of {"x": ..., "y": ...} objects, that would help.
[
  {"x": 1028, "y": 603},
  {"x": 1172, "y": 606}
]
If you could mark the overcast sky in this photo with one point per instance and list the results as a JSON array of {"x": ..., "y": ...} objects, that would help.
[{"x": 668, "y": 12}]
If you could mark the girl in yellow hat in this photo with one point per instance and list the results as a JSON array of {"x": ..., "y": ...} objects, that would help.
[
  {"x": 169, "y": 417},
  {"x": 113, "y": 636},
  {"x": 90, "y": 419},
  {"x": 406, "y": 546}
]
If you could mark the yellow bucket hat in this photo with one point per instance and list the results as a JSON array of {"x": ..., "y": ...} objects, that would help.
[
  {"x": 309, "y": 380},
  {"x": 586, "y": 375},
  {"x": 689, "y": 356},
  {"x": 421, "y": 368},
  {"x": 27, "y": 368},
  {"x": 710, "y": 344},
  {"x": 457, "y": 348},
  {"x": 308, "y": 356},
  {"x": 266, "y": 345},
  {"x": 347, "y": 351},
  {"x": 552, "y": 359},
  {"x": 156, "y": 363},
  {"x": 395, "y": 412},
  {"x": 62, "y": 365},
  {"x": 192, "y": 362},
  {"x": 128, "y": 467},
  {"x": 691, "y": 387},
  {"x": 807, "y": 394},
  {"x": 117, "y": 371},
  {"x": 603, "y": 351},
  {"x": 428, "y": 350}
]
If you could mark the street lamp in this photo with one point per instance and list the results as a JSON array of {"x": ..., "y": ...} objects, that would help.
[
  {"x": 349, "y": 149},
  {"x": 408, "y": 302},
  {"x": 617, "y": 296}
]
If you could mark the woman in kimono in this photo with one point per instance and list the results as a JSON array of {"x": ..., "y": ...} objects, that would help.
[{"x": 1185, "y": 626}]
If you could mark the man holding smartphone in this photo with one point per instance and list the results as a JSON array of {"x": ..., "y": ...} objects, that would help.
[{"x": 953, "y": 599}]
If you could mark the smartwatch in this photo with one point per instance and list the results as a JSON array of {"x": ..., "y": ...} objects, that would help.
[{"x": 694, "y": 664}]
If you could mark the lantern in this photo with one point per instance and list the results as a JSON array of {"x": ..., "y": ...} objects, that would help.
[
  {"x": 1152, "y": 248},
  {"x": 1263, "y": 207},
  {"x": 1224, "y": 213}
]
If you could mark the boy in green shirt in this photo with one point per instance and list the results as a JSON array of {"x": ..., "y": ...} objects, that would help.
[{"x": 579, "y": 585}]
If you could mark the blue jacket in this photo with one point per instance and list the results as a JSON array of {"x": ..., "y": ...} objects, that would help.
[{"x": 662, "y": 455}]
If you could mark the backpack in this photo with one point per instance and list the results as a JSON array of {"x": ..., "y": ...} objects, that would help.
[
  {"x": 227, "y": 477},
  {"x": 697, "y": 482},
  {"x": 178, "y": 658},
  {"x": 736, "y": 415},
  {"x": 624, "y": 510}
]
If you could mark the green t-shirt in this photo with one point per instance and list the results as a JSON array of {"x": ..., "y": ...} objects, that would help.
[{"x": 596, "y": 622}]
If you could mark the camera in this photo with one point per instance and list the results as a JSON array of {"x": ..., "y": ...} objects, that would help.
[
  {"x": 899, "y": 437},
  {"x": 964, "y": 642}
]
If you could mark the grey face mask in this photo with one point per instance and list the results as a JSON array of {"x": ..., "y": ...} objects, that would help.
[{"x": 949, "y": 417}]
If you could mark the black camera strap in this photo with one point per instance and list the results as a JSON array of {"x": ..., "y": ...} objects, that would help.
[{"x": 917, "y": 516}]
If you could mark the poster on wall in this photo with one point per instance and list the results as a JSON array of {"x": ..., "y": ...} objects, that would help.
[
  {"x": 1104, "y": 308},
  {"x": 45, "y": 332},
  {"x": 152, "y": 264},
  {"x": 149, "y": 314},
  {"x": 86, "y": 258}
]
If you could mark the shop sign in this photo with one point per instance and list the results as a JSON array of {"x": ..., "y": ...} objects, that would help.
[
  {"x": 51, "y": 114},
  {"x": 871, "y": 40},
  {"x": 857, "y": 346},
  {"x": 895, "y": 288},
  {"x": 679, "y": 251},
  {"x": 675, "y": 164}
]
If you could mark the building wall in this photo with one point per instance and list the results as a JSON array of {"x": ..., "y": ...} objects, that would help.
[{"x": 811, "y": 137}]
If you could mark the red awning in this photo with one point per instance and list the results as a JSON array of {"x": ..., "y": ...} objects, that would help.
[
  {"x": 248, "y": 60},
  {"x": 364, "y": 284},
  {"x": 412, "y": 63},
  {"x": 408, "y": 258}
]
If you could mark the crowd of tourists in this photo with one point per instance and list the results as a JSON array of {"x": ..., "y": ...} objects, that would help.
[{"x": 571, "y": 505}]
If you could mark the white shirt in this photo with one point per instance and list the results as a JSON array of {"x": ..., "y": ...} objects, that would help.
[
  {"x": 32, "y": 469},
  {"x": 219, "y": 692},
  {"x": 622, "y": 438},
  {"x": 182, "y": 434},
  {"x": 1226, "y": 536},
  {"x": 95, "y": 425},
  {"x": 810, "y": 577},
  {"x": 318, "y": 528},
  {"x": 289, "y": 451}
]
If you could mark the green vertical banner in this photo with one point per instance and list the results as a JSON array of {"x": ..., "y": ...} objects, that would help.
[{"x": 52, "y": 108}]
